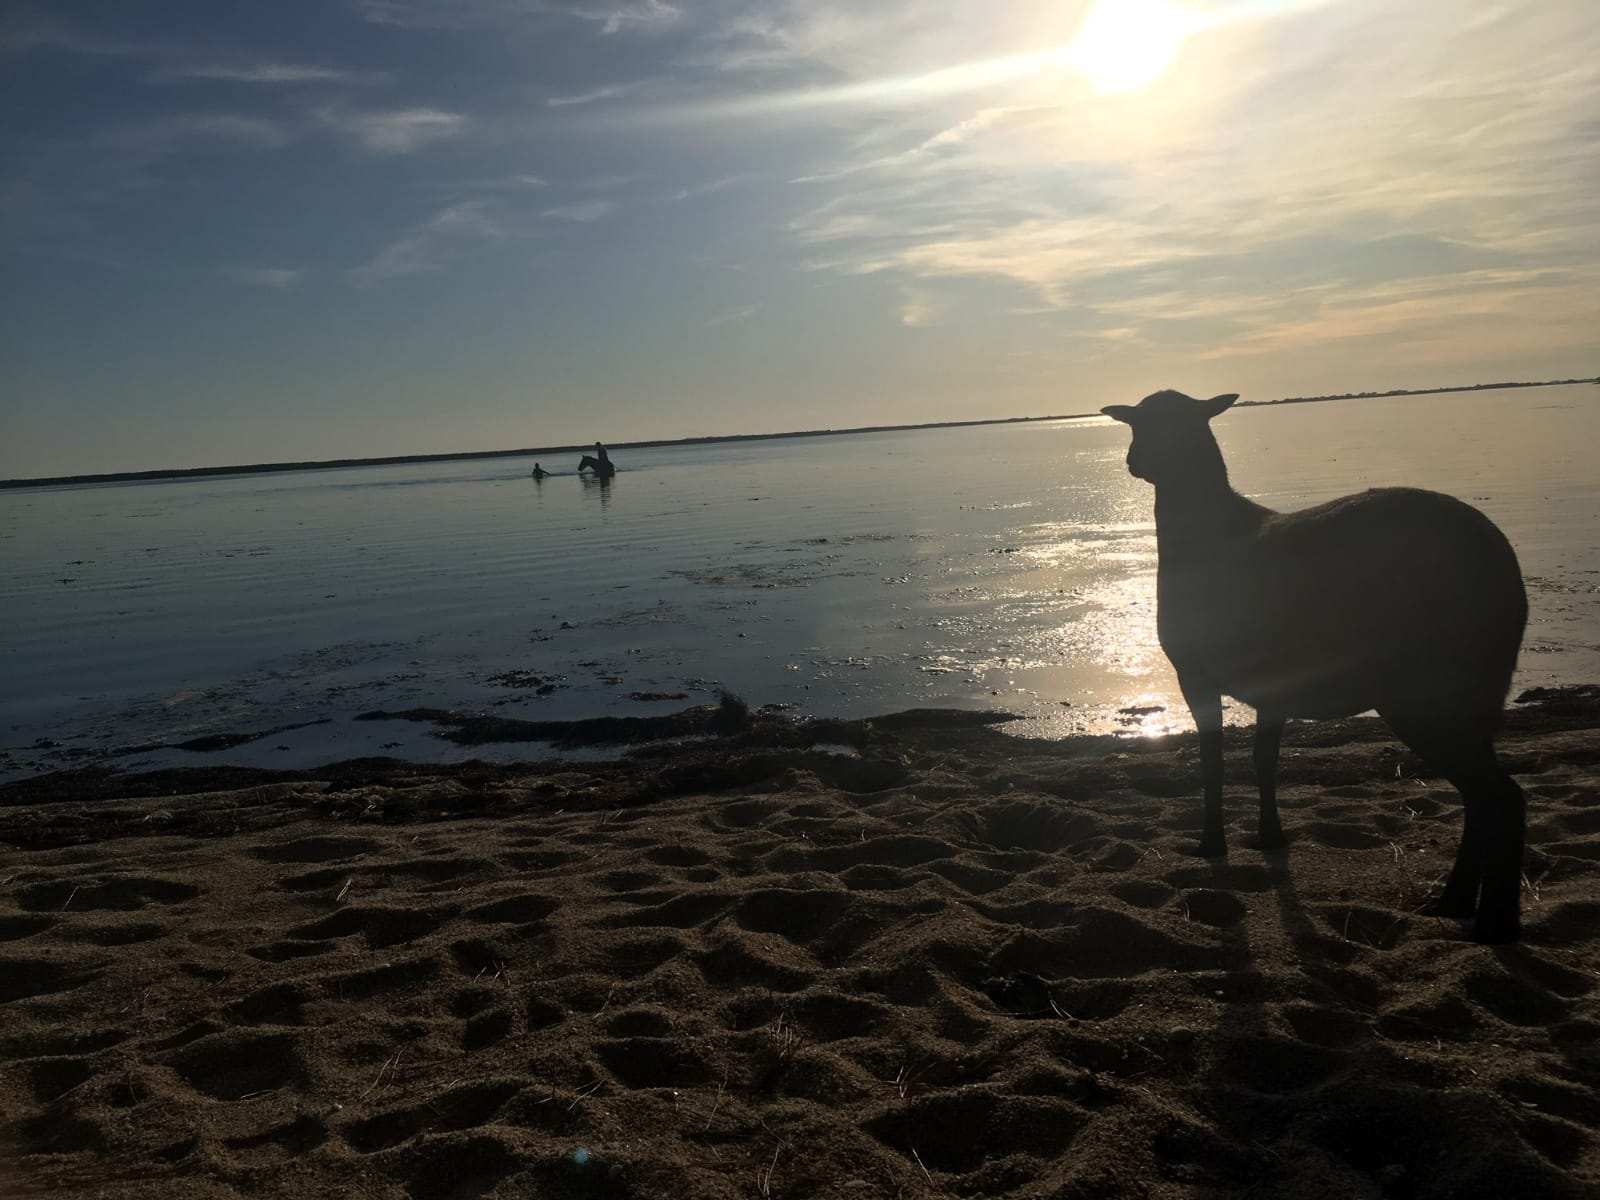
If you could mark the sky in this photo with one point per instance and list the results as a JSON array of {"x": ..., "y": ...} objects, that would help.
[{"x": 308, "y": 229}]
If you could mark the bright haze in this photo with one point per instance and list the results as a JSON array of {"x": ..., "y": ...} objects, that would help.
[{"x": 253, "y": 232}]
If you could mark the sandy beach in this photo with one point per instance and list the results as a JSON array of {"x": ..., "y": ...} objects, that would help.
[{"x": 910, "y": 957}]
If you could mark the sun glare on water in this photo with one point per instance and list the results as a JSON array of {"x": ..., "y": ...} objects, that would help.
[{"x": 1126, "y": 44}]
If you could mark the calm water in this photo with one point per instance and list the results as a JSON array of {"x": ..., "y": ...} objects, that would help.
[{"x": 1005, "y": 566}]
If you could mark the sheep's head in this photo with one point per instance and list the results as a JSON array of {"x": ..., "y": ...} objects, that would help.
[{"x": 1172, "y": 438}]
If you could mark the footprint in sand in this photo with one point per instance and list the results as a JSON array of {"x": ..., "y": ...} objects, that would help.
[
  {"x": 1344, "y": 837},
  {"x": 275, "y": 952},
  {"x": 56, "y": 1077},
  {"x": 15, "y": 929},
  {"x": 1324, "y": 1026},
  {"x": 1376, "y": 928},
  {"x": 235, "y": 1063},
  {"x": 322, "y": 848},
  {"x": 486, "y": 1029},
  {"x": 961, "y": 1131},
  {"x": 24, "y": 978},
  {"x": 513, "y": 910},
  {"x": 379, "y": 927},
  {"x": 1514, "y": 1000},
  {"x": 279, "y": 1004},
  {"x": 127, "y": 892},
  {"x": 281, "y": 1143},
  {"x": 1221, "y": 910},
  {"x": 1567, "y": 924},
  {"x": 1142, "y": 893}
]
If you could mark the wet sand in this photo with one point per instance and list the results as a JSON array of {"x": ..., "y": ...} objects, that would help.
[{"x": 947, "y": 962}]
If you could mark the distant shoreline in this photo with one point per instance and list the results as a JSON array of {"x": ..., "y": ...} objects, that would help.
[{"x": 469, "y": 455}]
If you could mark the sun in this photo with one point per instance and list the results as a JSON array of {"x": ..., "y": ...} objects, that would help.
[{"x": 1127, "y": 44}]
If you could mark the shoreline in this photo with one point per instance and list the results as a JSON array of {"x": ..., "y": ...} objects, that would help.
[
  {"x": 708, "y": 736},
  {"x": 161, "y": 474}
]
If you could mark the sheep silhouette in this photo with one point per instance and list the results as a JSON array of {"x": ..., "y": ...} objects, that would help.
[{"x": 1395, "y": 599}]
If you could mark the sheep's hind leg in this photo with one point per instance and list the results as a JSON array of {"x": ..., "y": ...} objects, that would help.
[
  {"x": 1269, "y": 733},
  {"x": 1206, "y": 706},
  {"x": 1503, "y": 821},
  {"x": 1459, "y": 900},
  {"x": 1486, "y": 879}
]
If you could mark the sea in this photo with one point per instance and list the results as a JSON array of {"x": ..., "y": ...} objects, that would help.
[{"x": 1007, "y": 567}]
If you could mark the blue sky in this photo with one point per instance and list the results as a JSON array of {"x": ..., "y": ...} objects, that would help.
[{"x": 254, "y": 231}]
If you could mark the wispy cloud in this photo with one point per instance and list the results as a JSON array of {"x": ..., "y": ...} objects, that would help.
[
  {"x": 398, "y": 131},
  {"x": 58, "y": 188},
  {"x": 608, "y": 18},
  {"x": 590, "y": 210},
  {"x": 264, "y": 73},
  {"x": 592, "y": 96},
  {"x": 712, "y": 186},
  {"x": 919, "y": 307},
  {"x": 1436, "y": 317},
  {"x": 429, "y": 246},
  {"x": 144, "y": 142},
  {"x": 507, "y": 183},
  {"x": 268, "y": 277},
  {"x": 742, "y": 313},
  {"x": 1294, "y": 152},
  {"x": 648, "y": 15},
  {"x": 605, "y": 183},
  {"x": 24, "y": 30}
]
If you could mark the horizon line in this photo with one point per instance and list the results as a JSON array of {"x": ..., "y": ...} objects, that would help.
[{"x": 161, "y": 473}]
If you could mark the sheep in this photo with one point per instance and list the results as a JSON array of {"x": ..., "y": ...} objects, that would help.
[{"x": 1396, "y": 599}]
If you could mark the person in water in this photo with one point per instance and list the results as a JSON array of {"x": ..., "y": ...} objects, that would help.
[
  {"x": 539, "y": 472},
  {"x": 605, "y": 459}
]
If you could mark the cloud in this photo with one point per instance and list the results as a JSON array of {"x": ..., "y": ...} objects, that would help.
[
  {"x": 57, "y": 188},
  {"x": 269, "y": 277},
  {"x": 265, "y": 73},
  {"x": 855, "y": 42},
  {"x": 650, "y": 14},
  {"x": 591, "y": 210},
  {"x": 1437, "y": 318},
  {"x": 145, "y": 142},
  {"x": 609, "y": 92},
  {"x": 919, "y": 307},
  {"x": 23, "y": 31},
  {"x": 509, "y": 183},
  {"x": 605, "y": 183},
  {"x": 639, "y": 15},
  {"x": 1287, "y": 168},
  {"x": 429, "y": 246},
  {"x": 27, "y": 31},
  {"x": 712, "y": 186},
  {"x": 742, "y": 313},
  {"x": 399, "y": 131}
]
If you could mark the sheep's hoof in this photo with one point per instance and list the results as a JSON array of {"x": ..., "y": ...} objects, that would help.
[
  {"x": 1209, "y": 847},
  {"x": 1271, "y": 839},
  {"x": 1451, "y": 908},
  {"x": 1496, "y": 931}
]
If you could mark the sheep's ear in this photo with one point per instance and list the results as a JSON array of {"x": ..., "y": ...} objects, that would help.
[
  {"x": 1119, "y": 412},
  {"x": 1219, "y": 404}
]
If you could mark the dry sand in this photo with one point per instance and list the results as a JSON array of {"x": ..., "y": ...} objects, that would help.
[{"x": 954, "y": 964}]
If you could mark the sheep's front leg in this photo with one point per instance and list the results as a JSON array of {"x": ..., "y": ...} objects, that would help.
[
  {"x": 1269, "y": 733},
  {"x": 1205, "y": 704}
]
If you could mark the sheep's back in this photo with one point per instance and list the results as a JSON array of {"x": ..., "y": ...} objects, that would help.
[{"x": 1394, "y": 592}]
